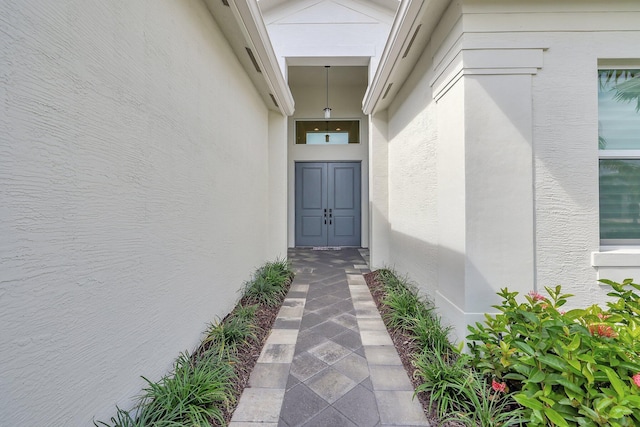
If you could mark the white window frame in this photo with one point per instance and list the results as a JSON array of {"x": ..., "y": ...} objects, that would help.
[
  {"x": 295, "y": 131},
  {"x": 616, "y": 64}
]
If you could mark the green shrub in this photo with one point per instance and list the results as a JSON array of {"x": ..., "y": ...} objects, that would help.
[
  {"x": 391, "y": 280},
  {"x": 456, "y": 390},
  {"x": 269, "y": 284},
  {"x": 429, "y": 332},
  {"x": 193, "y": 395},
  {"x": 404, "y": 304},
  {"x": 579, "y": 368},
  {"x": 485, "y": 405},
  {"x": 443, "y": 376},
  {"x": 231, "y": 333}
]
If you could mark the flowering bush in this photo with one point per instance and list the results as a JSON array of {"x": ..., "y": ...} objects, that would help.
[{"x": 574, "y": 368}]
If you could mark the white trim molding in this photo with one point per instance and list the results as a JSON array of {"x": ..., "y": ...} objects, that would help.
[
  {"x": 488, "y": 62},
  {"x": 616, "y": 258}
]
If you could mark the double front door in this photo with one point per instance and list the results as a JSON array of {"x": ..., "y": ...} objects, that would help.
[{"x": 328, "y": 204}]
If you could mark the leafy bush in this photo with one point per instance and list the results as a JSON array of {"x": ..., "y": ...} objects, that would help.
[
  {"x": 486, "y": 405},
  {"x": 405, "y": 305},
  {"x": 413, "y": 313},
  {"x": 457, "y": 392},
  {"x": 429, "y": 332},
  {"x": 392, "y": 280},
  {"x": 231, "y": 332},
  {"x": 269, "y": 284},
  {"x": 443, "y": 376},
  {"x": 192, "y": 395},
  {"x": 575, "y": 368}
]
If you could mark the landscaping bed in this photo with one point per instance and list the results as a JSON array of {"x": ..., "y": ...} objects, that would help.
[
  {"x": 531, "y": 364},
  {"x": 248, "y": 352}
]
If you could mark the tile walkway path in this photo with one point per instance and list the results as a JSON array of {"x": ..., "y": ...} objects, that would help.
[{"x": 329, "y": 360}]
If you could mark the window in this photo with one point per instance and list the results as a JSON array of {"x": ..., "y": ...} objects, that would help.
[
  {"x": 619, "y": 147},
  {"x": 322, "y": 132}
]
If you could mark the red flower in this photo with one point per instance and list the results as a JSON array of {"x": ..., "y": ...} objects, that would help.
[
  {"x": 536, "y": 296},
  {"x": 496, "y": 386},
  {"x": 636, "y": 379},
  {"x": 603, "y": 316},
  {"x": 603, "y": 331}
]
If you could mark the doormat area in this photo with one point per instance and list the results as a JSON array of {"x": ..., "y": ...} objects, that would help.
[{"x": 326, "y": 248}]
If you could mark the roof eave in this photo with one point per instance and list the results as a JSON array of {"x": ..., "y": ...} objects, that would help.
[
  {"x": 408, "y": 29},
  {"x": 261, "y": 63}
]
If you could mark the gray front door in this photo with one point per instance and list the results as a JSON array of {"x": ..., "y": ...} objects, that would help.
[{"x": 328, "y": 204}]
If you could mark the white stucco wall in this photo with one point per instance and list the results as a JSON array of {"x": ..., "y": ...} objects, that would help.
[
  {"x": 277, "y": 238},
  {"x": 493, "y": 161},
  {"x": 134, "y": 198},
  {"x": 574, "y": 35}
]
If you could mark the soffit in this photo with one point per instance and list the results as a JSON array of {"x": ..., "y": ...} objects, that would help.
[
  {"x": 242, "y": 24},
  {"x": 412, "y": 28},
  {"x": 269, "y": 6}
]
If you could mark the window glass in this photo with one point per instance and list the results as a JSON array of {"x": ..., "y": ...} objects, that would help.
[
  {"x": 619, "y": 110},
  {"x": 620, "y": 199},
  {"x": 323, "y": 132},
  {"x": 619, "y": 145},
  {"x": 327, "y": 138}
]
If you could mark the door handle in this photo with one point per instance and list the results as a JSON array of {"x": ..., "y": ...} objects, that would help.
[
  {"x": 330, "y": 216},
  {"x": 325, "y": 216}
]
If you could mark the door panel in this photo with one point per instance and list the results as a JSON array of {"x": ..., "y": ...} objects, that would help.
[
  {"x": 344, "y": 204},
  {"x": 328, "y": 204},
  {"x": 311, "y": 201}
]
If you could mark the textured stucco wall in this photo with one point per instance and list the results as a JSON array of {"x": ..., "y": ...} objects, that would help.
[
  {"x": 134, "y": 198},
  {"x": 566, "y": 158},
  {"x": 426, "y": 174},
  {"x": 574, "y": 35},
  {"x": 528, "y": 154},
  {"x": 413, "y": 179}
]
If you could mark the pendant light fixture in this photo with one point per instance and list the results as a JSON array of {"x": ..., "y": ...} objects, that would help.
[
  {"x": 327, "y": 110},
  {"x": 326, "y": 136}
]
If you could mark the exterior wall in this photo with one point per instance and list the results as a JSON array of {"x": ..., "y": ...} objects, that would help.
[
  {"x": 277, "y": 240},
  {"x": 493, "y": 159},
  {"x": 134, "y": 198},
  {"x": 413, "y": 179},
  {"x": 379, "y": 244},
  {"x": 345, "y": 102},
  {"x": 574, "y": 36}
]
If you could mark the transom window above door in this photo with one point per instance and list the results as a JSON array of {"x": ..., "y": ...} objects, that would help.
[{"x": 327, "y": 132}]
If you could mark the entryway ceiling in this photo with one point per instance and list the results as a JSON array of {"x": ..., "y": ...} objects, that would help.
[
  {"x": 267, "y": 5},
  {"x": 316, "y": 76}
]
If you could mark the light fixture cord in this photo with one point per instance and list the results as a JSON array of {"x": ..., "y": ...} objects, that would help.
[{"x": 327, "y": 68}]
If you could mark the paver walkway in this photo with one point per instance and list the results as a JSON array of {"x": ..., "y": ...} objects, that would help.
[{"x": 329, "y": 360}]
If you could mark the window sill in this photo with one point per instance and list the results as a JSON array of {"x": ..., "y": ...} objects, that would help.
[{"x": 616, "y": 257}]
